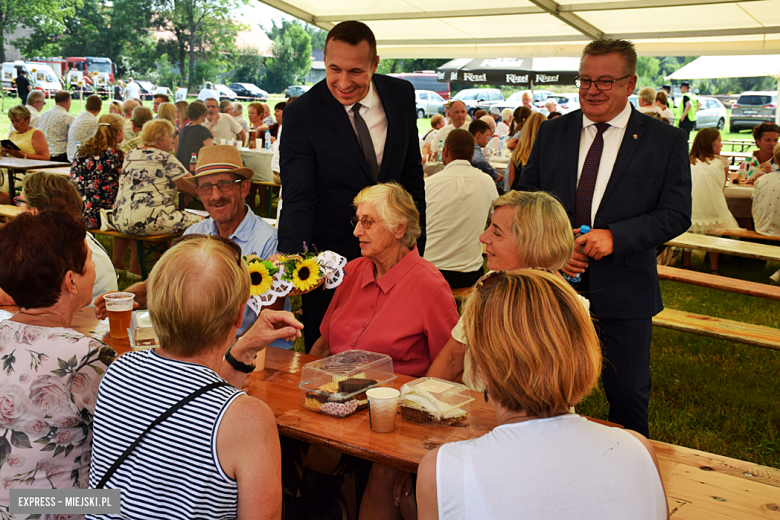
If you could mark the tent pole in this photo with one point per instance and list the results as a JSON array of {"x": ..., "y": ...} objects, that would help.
[{"x": 531, "y": 82}]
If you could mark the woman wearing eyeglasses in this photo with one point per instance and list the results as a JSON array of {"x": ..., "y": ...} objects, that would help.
[
  {"x": 151, "y": 176},
  {"x": 535, "y": 346},
  {"x": 392, "y": 301}
]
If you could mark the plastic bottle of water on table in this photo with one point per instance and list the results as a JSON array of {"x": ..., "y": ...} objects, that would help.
[
  {"x": 575, "y": 279},
  {"x": 267, "y": 139},
  {"x": 439, "y": 150}
]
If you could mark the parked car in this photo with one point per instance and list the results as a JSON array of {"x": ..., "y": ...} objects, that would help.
[
  {"x": 225, "y": 92},
  {"x": 249, "y": 91},
  {"x": 711, "y": 113},
  {"x": 147, "y": 89},
  {"x": 540, "y": 97},
  {"x": 567, "y": 102},
  {"x": 513, "y": 101},
  {"x": 428, "y": 103},
  {"x": 476, "y": 98},
  {"x": 296, "y": 91},
  {"x": 751, "y": 109}
]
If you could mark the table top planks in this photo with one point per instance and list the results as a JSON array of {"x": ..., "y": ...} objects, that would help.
[
  {"x": 63, "y": 170},
  {"x": 726, "y": 246},
  {"x": 14, "y": 163}
]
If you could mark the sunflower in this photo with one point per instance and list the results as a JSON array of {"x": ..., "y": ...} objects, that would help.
[
  {"x": 260, "y": 278},
  {"x": 306, "y": 274}
]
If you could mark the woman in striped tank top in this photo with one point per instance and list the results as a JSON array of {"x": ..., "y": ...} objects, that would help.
[{"x": 217, "y": 456}]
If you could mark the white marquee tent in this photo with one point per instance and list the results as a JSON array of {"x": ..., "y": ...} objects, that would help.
[
  {"x": 492, "y": 28},
  {"x": 712, "y": 67}
]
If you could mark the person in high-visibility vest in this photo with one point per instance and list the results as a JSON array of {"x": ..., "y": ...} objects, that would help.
[{"x": 685, "y": 112}]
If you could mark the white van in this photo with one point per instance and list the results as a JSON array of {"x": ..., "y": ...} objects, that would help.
[{"x": 41, "y": 76}]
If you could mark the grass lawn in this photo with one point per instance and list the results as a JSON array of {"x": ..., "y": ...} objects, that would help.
[{"x": 707, "y": 394}]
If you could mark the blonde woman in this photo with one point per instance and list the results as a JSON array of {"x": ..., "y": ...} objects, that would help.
[
  {"x": 30, "y": 141},
  {"x": 97, "y": 166},
  {"x": 167, "y": 111},
  {"x": 523, "y": 149},
  {"x": 115, "y": 108},
  {"x": 535, "y": 346},
  {"x": 181, "y": 114},
  {"x": 151, "y": 177}
]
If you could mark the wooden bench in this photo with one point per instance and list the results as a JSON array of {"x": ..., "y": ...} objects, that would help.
[
  {"x": 8, "y": 212},
  {"x": 461, "y": 293},
  {"x": 726, "y": 246},
  {"x": 723, "y": 283},
  {"x": 756, "y": 335},
  {"x": 144, "y": 245},
  {"x": 743, "y": 233}
]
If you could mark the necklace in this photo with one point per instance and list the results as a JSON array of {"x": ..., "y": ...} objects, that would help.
[{"x": 52, "y": 317}]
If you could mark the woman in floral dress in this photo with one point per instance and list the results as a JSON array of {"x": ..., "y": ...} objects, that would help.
[
  {"x": 50, "y": 373},
  {"x": 97, "y": 167},
  {"x": 151, "y": 176}
]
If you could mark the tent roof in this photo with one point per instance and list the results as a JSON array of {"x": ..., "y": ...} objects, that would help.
[
  {"x": 490, "y": 28},
  {"x": 711, "y": 67}
]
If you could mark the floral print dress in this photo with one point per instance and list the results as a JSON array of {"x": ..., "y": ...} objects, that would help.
[
  {"x": 97, "y": 179},
  {"x": 145, "y": 203},
  {"x": 48, "y": 388}
]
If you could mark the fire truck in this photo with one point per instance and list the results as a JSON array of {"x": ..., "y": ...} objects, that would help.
[{"x": 88, "y": 66}]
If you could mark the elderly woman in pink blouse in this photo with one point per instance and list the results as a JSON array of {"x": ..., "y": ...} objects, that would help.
[{"x": 392, "y": 301}]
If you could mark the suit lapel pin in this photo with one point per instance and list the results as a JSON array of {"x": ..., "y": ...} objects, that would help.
[{"x": 635, "y": 136}]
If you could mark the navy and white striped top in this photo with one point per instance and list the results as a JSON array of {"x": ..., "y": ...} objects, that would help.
[{"x": 174, "y": 472}]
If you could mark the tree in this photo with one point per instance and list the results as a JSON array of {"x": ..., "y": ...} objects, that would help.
[
  {"x": 16, "y": 13},
  {"x": 391, "y": 66},
  {"x": 248, "y": 65},
  {"x": 317, "y": 36},
  {"x": 292, "y": 56}
]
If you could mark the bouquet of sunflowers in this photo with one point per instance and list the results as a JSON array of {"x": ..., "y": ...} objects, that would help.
[{"x": 292, "y": 275}]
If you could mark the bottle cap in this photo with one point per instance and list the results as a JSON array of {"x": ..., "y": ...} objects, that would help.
[{"x": 584, "y": 229}]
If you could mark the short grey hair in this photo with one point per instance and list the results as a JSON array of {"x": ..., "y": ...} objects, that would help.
[
  {"x": 396, "y": 207},
  {"x": 238, "y": 108},
  {"x": 35, "y": 96},
  {"x": 19, "y": 111},
  {"x": 647, "y": 95}
]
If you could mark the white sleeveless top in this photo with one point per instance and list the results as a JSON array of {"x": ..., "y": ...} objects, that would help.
[
  {"x": 564, "y": 467},
  {"x": 174, "y": 473}
]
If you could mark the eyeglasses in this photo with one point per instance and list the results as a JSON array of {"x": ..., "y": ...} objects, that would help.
[
  {"x": 232, "y": 245},
  {"x": 19, "y": 200},
  {"x": 364, "y": 221},
  {"x": 224, "y": 187},
  {"x": 601, "y": 84}
]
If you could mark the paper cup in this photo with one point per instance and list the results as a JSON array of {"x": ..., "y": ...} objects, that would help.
[
  {"x": 223, "y": 141},
  {"x": 258, "y": 144},
  {"x": 119, "y": 307},
  {"x": 382, "y": 408},
  {"x": 260, "y": 360}
]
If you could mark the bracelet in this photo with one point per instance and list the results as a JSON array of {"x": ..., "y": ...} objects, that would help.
[{"x": 238, "y": 365}]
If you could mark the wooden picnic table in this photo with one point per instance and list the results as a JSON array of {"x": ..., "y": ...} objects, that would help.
[
  {"x": 63, "y": 170},
  {"x": 13, "y": 165},
  {"x": 735, "y": 157},
  {"x": 698, "y": 484},
  {"x": 726, "y": 246}
]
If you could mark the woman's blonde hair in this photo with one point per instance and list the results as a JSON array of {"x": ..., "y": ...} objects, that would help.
[
  {"x": 532, "y": 342},
  {"x": 155, "y": 130},
  {"x": 41, "y": 189},
  {"x": 109, "y": 125},
  {"x": 116, "y": 105},
  {"x": 527, "y": 136},
  {"x": 167, "y": 111},
  {"x": 19, "y": 111},
  {"x": 195, "y": 293},
  {"x": 395, "y": 207},
  {"x": 540, "y": 227}
]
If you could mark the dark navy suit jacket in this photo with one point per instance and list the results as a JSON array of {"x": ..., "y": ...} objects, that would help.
[
  {"x": 646, "y": 203},
  {"x": 323, "y": 168}
]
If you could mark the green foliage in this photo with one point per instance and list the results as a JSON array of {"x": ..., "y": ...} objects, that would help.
[
  {"x": 30, "y": 13},
  {"x": 317, "y": 36},
  {"x": 248, "y": 66},
  {"x": 393, "y": 66},
  {"x": 292, "y": 56}
]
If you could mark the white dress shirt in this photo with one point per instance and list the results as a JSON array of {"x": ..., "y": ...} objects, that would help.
[
  {"x": 373, "y": 114},
  {"x": 442, "y": 134},
  {"x": 502, "y": 129},
  {"x": 458, "y": 201},
  {"x": 766, "y": 204},
  {"x": 225, "y": 128},
  {"x": 612, "y": 136}
]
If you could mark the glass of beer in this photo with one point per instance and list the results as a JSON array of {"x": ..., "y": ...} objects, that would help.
[{"x": 119, "y": 307}]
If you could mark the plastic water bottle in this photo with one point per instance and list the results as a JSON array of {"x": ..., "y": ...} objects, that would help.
[
  {"x": 267, "y": 139},
  {"x": 193, "y": 163},
  {"x": 502, "y": 146},
  {"x": 575, "y": 279},
  {"x": 439, "y": 150}
]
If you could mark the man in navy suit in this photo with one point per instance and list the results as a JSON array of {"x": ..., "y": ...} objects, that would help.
[
  {"x": 627, "y": 176},
  {"x": 350, "y": 131}
]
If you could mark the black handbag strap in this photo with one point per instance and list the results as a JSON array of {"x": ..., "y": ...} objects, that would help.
[{"x": 167, "y": 413}]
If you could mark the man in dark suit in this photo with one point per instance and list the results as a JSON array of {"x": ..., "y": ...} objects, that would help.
[
  {"x": 350, "y": 131},
  {"x": 628, "y": 177}
]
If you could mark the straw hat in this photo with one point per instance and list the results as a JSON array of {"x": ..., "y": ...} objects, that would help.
[{"x": 219, "y": 159}]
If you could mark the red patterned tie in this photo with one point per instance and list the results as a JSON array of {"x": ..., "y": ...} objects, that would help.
[{"x": 590, "y": 170}]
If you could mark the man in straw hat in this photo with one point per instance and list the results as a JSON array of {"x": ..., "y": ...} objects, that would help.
[{"x": 222, "y": 182}]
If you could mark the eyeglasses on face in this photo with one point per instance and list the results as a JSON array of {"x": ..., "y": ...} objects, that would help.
[
  {"x": 364, "y": 221},
  {"x": 18, "y": 200},
  {"x": 601, "y": 84},
  {"x": 224, "y": 187},
  {"x": 232, "y": 245}
]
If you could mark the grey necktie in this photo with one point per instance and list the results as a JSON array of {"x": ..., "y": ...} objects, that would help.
[{"x": 366, "y": 144}]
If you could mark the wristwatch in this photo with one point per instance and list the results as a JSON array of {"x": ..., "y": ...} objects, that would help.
[{"x": 238, "y": 365}]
